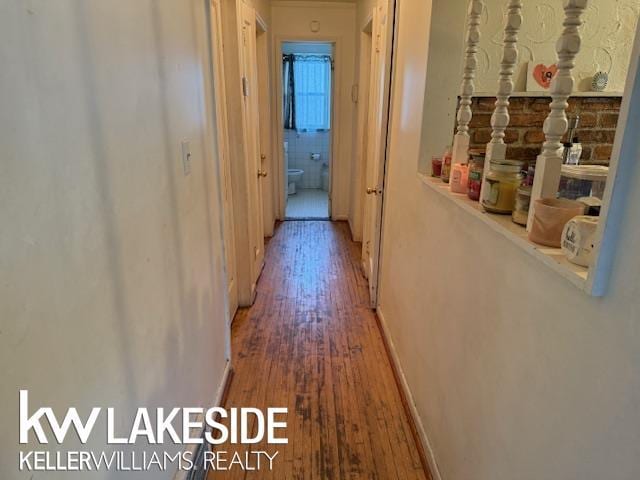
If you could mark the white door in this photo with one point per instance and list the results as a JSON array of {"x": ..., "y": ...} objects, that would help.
[
  {"x": 252, "y": 135},
  {"x": 378, "y": 119},
  {"x": 215, "y": 22}
]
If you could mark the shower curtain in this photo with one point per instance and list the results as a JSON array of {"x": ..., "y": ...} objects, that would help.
[
  {"x": 313, "y": 92},
  {"x": 306, "y": 88},
  {"x": 288, "y": 92}
]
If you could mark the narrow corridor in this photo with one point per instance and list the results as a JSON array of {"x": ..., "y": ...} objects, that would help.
[{"x": 312, "y": 344}]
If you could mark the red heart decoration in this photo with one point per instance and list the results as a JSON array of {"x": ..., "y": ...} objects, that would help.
[{"x": 543, "y": 74}]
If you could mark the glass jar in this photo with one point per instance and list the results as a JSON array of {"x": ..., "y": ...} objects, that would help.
[
  {"x": 476, "y": 170},
  {"x": 436, "y": 166},
  {"x": 446, "y": 165},
  {"x": 500, "y": 186},
  {"x": 521, "y": 208}
]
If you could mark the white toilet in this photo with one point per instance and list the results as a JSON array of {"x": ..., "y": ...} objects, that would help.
[{"x": 294, "y": 176}]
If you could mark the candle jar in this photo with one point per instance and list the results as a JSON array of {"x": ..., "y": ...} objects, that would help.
[
  {"x": 459, "y": 178},
  {"x": 521, "y": 208},
  {"x": 446, "y": 165},
  {"x": 500, "y": 186},
  {"x": 476, "y": 169},
  {"x": 436, "y": 166}
]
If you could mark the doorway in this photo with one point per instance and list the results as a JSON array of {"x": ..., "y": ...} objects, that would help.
[{"x": 307, "y": 106}]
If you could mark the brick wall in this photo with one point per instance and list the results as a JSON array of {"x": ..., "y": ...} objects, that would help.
[{"x": 524, "y": 137}]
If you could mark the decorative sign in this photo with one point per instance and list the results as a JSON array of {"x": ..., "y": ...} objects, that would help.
[{"x": 539, "y": 76}]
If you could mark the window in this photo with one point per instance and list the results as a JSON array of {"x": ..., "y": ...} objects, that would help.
[{"x": 312, "y": 75}]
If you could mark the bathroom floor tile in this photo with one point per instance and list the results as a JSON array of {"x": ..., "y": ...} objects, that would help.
[{"x": 308, "y": 203}]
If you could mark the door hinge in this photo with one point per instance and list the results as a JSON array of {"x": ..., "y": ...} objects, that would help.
[
  {"x": 244, "y": 35},
  {"x": 245, "y": 87}
]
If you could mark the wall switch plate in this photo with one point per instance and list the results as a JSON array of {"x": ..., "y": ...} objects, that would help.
[{"x": 186, "y": 157}]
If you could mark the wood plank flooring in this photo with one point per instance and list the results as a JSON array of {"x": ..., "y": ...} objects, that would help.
[{"x": 311, "y": 343}]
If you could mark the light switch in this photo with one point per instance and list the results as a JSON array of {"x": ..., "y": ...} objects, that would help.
[{"x": 186, "y": 157}]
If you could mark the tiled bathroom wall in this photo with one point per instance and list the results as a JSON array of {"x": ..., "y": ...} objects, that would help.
[{"x": 301, "y": 146}]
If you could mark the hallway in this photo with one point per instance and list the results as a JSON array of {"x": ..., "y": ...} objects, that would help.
[{"x": 311, "y": 343}]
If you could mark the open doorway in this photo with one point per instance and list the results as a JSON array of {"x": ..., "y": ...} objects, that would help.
[{"x": 307, "y": 87}]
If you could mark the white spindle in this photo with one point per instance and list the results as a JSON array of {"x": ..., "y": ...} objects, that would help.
[
  {"x": 461, "y": 138},
  {"x": 549, "y": 162},
  {"x": 496, "y": 148}
]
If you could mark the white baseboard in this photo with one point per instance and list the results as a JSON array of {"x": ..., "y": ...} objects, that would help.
[
  {"x": 182, "y": 474},
  {"x": 433, "y": 466},
  {"x": 339, "y": 218},
  {"x": 223, "y": 384}
]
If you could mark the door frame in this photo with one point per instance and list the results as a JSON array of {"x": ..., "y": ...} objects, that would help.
[
  {"x": 247, "y": 15},
  {"x": 217, "y": 107},
  {"x": 266, "y": 125},
  {"x": 278, "y": 137},
  {"x": 360, "y": 153}
]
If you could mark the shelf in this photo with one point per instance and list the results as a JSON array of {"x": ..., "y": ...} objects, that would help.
[
  {"x": 548, "y": 95},
  {"x": 502, "y": 224}
]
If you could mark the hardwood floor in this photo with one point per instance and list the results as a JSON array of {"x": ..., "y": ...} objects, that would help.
[{"x": 311, "y": 343}]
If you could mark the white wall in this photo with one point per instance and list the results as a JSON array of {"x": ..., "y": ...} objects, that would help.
[
  {"x": 112, "y": 260},
  {"x": 290, "y": 21},
  {"x": 607, "y": 37},
  {"x": 363, "y": 12},
  {"x": 516, "y": 374},
  {"x": 262, "y": 7},
  {"x": 442, "y": 84}
]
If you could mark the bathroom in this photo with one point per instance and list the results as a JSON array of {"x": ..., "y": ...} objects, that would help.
[{"x": 307, "y": 77}]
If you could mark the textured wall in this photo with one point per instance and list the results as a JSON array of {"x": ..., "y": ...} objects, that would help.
[
  {"x": 607, "y": 36},
  {"x": 524, "y": 136}
]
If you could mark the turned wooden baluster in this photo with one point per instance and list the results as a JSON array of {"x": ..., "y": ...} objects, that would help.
[
  {"x": 461, "y": 138},
  {"x": 549, "y": 162},
  {"x": 496, "y": 148}
]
